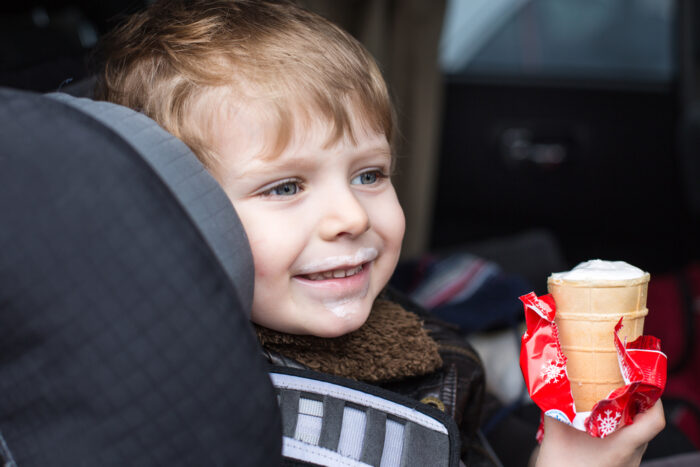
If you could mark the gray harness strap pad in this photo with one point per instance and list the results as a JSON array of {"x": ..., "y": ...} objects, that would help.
[{"x": 336, "y": 421}]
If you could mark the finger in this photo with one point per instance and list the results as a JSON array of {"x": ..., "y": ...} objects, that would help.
[{"x": 647, "y": 424}]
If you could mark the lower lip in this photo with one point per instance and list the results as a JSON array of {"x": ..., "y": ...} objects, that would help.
[{"x": 340, "y": 287}]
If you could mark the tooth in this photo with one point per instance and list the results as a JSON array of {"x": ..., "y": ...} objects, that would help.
[{"x": 334, "y": 274}]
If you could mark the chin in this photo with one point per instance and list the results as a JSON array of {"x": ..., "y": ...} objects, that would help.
[
  {"x": 340, "y": 325},
  {"x": 335, "y": 331}
]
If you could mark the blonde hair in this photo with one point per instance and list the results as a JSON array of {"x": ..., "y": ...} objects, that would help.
[{"x": 165, "y": 59}]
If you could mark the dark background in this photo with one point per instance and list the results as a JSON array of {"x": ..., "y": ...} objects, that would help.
[
  {"x": 45, "y": 43},
  {"x": 599, "y": 147}
]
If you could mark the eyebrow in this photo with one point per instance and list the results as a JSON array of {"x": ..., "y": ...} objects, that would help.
[
  {"x": 302, "y": 163},
  {"x": 271, "y": 165}
]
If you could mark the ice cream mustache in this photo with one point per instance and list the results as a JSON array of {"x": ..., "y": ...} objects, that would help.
[
  {"x": 363, "y": 255},
  {"x": 590, "y": 300},
  {"x": 338, "y": 267}
]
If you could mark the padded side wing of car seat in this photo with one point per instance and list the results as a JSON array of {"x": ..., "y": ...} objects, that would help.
[
  {"x": 123, "y": 340},
  {"x": 199, "y": 194}
]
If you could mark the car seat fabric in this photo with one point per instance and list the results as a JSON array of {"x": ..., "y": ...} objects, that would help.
[
  {"x": 123, "y": 336},
  {"x": 196, "y": 190}
]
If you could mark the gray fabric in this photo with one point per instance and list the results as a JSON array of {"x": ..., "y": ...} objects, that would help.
[
  {"x": 196, "y": 190},
  {"x": 373, "y": 443},
  {"x": 422, "y": 446},
  {"x": 289, "y": 405},
  {"x": 123, "y": 340},
  {"x": 5, "y": 454},
  {"x": 332, "y": 422}
]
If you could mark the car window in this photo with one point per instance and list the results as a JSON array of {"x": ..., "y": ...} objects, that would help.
[{"x": 626, "y": 40}]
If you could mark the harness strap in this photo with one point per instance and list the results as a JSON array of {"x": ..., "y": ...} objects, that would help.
[{"x": 329, "y": 420}]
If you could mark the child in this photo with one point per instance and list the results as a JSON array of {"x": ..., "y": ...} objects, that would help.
[{"x": 292, "y": 117}]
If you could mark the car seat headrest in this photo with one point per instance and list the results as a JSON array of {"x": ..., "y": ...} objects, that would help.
[
  {"x": 203, "y": 200},
  {"x": 126, "y": 280}
]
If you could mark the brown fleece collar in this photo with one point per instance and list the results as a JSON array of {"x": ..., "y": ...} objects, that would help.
[{"x": 391, "y": 345}]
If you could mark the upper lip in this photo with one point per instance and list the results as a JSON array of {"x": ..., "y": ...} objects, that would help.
[{"x": 329, "y": 263}]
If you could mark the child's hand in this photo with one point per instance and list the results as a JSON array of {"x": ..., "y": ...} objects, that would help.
[{"x": 564, "y": 445}]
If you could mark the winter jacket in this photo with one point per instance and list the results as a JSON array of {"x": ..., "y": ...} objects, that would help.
[{"x": 406, "y": 350}]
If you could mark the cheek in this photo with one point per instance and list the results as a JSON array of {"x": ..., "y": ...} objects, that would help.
[
  {"x": 263, "y": 266},
  {"x": 399, "y": 224},
  {"x": 275, "y": 239},
  {"x": 272, "y": 253},
  {"x": 389, "y": 221},
  {"x": 260, "y": 238}
]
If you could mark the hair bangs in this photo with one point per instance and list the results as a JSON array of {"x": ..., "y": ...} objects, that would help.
[
  {"x": 363, "y": 108},
  {"x": 298, "y": 66}
]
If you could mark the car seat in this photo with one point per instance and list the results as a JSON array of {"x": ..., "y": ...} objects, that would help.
[
  {"x": 125, "y": 280},
  {"x": 126, "y": 287}
]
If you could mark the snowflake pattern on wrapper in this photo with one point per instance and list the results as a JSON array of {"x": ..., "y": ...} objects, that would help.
[
  {"x": 608, "y": 424},
  {"x": 553, "y": 370},
  {"x": 544, "y": 368}
]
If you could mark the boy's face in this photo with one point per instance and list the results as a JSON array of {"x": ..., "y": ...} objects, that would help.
[{"x": 324, "y": 223}]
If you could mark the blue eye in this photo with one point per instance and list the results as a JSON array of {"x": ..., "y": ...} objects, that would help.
[
  {"x": 367, "y": 178},
  {"x": 288, "y": 188}
]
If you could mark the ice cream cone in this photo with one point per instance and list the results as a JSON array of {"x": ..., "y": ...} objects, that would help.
[{"x": 587, "y": 312}]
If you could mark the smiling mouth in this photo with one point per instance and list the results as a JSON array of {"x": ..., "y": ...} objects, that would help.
[{"x": 334, "y": 273}]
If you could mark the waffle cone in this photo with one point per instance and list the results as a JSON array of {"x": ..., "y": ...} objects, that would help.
[{"x": 587, "y": 312}]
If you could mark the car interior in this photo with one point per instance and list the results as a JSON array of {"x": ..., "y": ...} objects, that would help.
[{"x": 535, "y": 135}]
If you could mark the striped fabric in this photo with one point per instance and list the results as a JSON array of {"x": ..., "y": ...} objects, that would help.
[
  {"x": 453, "y": 279},
  {"x": 332, "y": 424}
]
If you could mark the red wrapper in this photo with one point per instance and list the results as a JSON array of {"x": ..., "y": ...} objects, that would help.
[{"x": 642, "y": 364}]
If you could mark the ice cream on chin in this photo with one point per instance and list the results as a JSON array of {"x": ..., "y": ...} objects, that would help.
[{"x": 590, "y": 300}]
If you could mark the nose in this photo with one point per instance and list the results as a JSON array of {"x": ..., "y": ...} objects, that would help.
[{"x": 343, "y": 215}]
